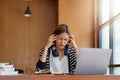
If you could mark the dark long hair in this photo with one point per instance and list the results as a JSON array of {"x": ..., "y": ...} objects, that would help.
[{"x": 61, "y": 29}]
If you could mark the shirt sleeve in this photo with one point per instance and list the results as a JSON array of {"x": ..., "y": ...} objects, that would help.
[{"x": 40, "y": 65}]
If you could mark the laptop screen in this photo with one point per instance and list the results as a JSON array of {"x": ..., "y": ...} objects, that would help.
[{"x": 93, "y": 61}]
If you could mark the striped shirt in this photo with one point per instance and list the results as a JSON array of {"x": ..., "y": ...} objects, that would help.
[{"x": 69, "y": 52}]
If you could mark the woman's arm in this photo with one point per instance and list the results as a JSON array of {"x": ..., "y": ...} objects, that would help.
[
  {"x": 73, "y": 43},
  {"x": 41, "y": 64},
  {"x": 50, "y": 41}
]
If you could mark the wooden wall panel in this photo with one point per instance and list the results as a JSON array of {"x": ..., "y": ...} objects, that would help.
[
  {"x": 78, "y": 14},
  {"x": 2, "y": 30},
  {"x": 22, "y": 37}
]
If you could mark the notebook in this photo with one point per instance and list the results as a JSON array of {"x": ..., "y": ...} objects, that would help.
[{"x": 93, "y": 61}]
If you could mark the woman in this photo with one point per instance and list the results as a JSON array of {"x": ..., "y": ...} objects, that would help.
[{"x": 59, "y": 54}]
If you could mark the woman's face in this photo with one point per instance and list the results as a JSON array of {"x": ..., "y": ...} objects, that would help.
[{"x": 61, "y": 40}]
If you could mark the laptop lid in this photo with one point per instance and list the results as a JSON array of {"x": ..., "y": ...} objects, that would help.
[{"x": 93, "y": 61}]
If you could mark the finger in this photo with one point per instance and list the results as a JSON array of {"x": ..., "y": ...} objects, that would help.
[
  {"x": 52, "y": 34},
  {"x": 54, "y": 38}
]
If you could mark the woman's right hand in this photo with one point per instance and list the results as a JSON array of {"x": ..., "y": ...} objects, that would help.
[{"x": 50, "y": 41}]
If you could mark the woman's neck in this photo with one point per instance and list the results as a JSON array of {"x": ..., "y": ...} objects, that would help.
[{"x": 61, "y": 53}]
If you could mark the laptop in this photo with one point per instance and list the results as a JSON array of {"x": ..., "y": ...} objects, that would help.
[{"x": 93, "y": 61}]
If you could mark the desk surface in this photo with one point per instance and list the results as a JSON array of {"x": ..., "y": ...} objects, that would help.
[{"x": 61, "y": 77}]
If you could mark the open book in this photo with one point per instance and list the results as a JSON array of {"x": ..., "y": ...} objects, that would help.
[{"x": 47, "y": 72}]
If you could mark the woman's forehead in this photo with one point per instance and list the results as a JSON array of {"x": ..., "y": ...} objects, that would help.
[{"x": 65, "y": 35}]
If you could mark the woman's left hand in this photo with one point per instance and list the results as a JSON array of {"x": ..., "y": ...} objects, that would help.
[{"x": 73, "y": 43}]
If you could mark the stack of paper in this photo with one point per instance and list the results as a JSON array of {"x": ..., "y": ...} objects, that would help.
[{"x": 7, "y": 69}]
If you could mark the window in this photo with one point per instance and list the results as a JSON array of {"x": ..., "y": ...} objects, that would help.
[{"x": 109, "y": 30}]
